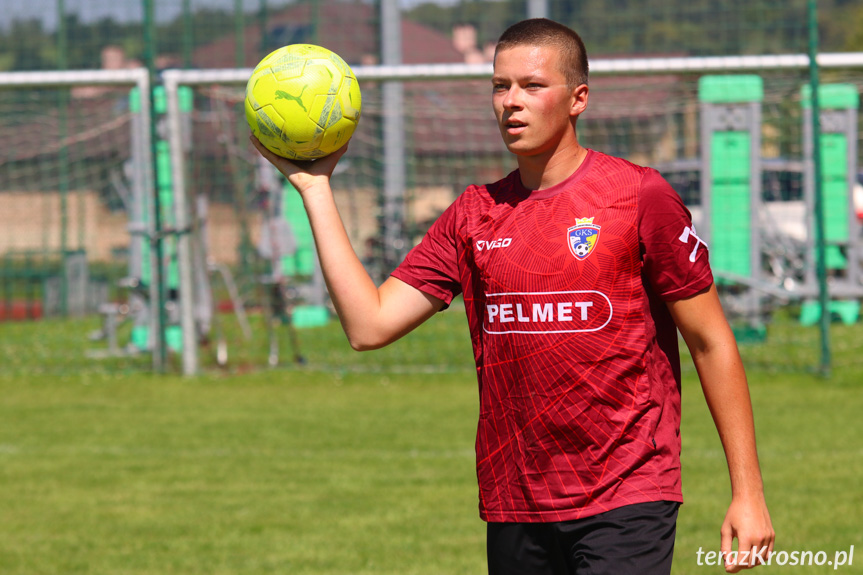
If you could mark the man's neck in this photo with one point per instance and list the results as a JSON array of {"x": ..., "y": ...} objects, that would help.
[{"x": 539, "y": 173}]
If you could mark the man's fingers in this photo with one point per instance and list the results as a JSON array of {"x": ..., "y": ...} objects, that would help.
[
  {"x": 750, "y": 553},
  {"x": 258, "y": 145},
  {"x": 726, "y": 538},
  {"x": 266, "y": 152},
  {"x": 732, "y": 563}
]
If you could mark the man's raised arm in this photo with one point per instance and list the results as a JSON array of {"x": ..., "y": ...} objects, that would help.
[{"x": 371, "y": 316}]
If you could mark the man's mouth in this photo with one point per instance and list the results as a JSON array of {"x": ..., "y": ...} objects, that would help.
[{"x": 514, "y": 125}]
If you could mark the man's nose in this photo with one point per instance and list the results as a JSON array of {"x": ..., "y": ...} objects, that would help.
[{"x": 513, "y": 97}]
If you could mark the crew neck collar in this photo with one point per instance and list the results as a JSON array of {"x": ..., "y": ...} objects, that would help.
[{"x": 552, "y": 191}]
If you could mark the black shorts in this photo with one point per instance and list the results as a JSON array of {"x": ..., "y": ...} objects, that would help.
[{"x": 631, "y": 539}]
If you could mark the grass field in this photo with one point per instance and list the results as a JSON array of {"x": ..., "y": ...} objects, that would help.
[{"x": 327, "y": 470}]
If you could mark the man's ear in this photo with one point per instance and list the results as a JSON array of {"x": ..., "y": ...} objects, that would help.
[{"x": 579, "y": 100}]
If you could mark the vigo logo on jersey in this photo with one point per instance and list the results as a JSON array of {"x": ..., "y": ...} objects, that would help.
[
  {"x": 546, "y": 312},
  {"x": 582, "y": 237},
  {"x": 492, "y": 244}
]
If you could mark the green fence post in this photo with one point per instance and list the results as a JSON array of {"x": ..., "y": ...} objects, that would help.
[
  {"x": 821, "y": 259},
  {"x": 731, "y": 183},
  {"x": 838, "y": 154}
]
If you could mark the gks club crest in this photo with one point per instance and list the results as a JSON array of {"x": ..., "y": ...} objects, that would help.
[{"x": 582, "y": 237}]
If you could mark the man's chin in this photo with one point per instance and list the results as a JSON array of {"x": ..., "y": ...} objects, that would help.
[
  {"x": 514, "y": 145},
  {"x": 519, "y": 149}
]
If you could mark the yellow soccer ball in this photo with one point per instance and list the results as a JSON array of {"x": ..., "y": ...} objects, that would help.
[{"x": 303, "y": 102}]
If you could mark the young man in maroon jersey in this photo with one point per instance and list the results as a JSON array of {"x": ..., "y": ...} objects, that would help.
[{"x": 577, "y": 270}]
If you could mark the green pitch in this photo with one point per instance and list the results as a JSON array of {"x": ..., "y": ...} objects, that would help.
[{"x": 332, "y": 471}]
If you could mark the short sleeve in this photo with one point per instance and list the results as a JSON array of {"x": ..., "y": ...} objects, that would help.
[
  {"x": 432, "y": 265},
  {"x": 675, "y": 258}
]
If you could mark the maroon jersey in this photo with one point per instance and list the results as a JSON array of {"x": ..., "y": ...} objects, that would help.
[{"x": 575, "y": 350}]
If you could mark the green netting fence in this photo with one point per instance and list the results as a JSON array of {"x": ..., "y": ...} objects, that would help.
[{"x": 89, "y": 243}]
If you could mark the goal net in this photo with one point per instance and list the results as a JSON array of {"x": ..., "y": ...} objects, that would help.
[
  {"x": 654, "y": 112},
  {"x": 75, "y": 172}
]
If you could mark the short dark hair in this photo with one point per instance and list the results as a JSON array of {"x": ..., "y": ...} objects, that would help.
[{"x": 545, "y": 32}]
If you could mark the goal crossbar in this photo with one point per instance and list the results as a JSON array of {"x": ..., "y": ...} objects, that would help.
[
  {"x": 56, "y": 78},
  {"x": 599, "y": 66}
]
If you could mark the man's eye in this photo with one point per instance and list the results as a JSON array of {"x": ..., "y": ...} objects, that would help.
[{"x": 498, "y": 87}]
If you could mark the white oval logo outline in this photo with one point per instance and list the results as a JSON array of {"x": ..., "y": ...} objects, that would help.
[{"x": 531, "y": 293}]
